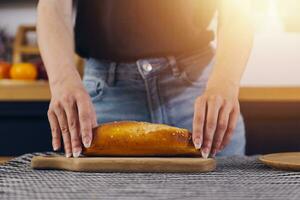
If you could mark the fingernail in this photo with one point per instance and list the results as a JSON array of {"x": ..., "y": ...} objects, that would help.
[
  {"x": 68, "y": 155},
  {"x": 87, "y": 143},
  {"x": 204, "y": 153},
  {"x": 197, "y": 143},
  {"x": 55, "y": 148},
  {"x": 77, "y": 153}
]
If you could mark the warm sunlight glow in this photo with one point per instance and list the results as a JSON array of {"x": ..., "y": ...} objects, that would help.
[
  {"x": 266, "y": 16},
  {"x": 277, "y": 15},
  {"x": 273, "y": 22}
]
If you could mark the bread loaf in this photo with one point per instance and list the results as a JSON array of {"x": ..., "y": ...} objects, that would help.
[{"x": 130, "y": 138}]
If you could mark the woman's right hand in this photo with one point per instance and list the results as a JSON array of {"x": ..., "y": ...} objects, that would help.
[{"x": 71, "y": 115}]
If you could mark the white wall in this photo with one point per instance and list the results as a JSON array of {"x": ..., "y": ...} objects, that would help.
[
  {"x": 14, "y": 14},
  {"x": 275, "y": 59}
]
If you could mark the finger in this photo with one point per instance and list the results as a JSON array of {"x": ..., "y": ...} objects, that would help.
[
  {"x": 72, "y": 117},
  {"x": 221, "y": 128},
  {"x": 198, "y": 122},
  {"x": 63, "y": 124},
  {"x": 233, "y": 118},
  {"x": 213, "y": 107},
  {"x": 55, "y": 130},
  {"x": 94, "y": 116},
  {"x": 85, "y": 120}
]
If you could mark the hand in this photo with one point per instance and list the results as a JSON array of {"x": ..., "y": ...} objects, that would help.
[
  {"x": 215, "y": 117},
  {"x": 71, "y": 115}
]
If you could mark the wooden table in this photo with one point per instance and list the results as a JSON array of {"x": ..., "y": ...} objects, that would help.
[
  {"x": 5, "y": 159},
  {"x": 235, "y": 178}
]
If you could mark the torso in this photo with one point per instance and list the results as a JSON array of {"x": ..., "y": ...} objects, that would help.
[{"x": 132, "y": 29}]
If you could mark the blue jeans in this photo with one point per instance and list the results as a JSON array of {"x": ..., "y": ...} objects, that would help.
[{"x": 157, "y": 90}]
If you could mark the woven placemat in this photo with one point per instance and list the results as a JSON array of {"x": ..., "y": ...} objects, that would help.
[{"x": 235, "y": 178}]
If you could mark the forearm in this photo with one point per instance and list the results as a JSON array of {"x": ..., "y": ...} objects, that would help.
[
  {"x": 234, "y": 42},
  {"x": 55, "y": 38},
  {"x": 217, "y": 109}
]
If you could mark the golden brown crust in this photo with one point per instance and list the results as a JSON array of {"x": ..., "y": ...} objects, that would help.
[{"x": 131, "y": 138}]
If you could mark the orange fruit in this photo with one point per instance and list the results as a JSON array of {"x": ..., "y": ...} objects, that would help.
[
  {"x": 23, "y": 71},
  {"x": 4, "y": 69}
]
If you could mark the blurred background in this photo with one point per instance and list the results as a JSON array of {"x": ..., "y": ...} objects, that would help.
[{"x": 270, "y": 93}]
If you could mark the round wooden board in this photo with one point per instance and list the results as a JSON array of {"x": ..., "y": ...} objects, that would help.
[{"x": 282, "y": 161}]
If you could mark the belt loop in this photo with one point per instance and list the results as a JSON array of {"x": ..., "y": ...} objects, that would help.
[
  {"x": 175, "y": 69},
  {"x": 112, "y": 74}
]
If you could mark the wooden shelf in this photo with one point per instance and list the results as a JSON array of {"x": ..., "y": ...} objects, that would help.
[
  {"x": 21, "y": 46},
  {"x": 30, "y": 50}
]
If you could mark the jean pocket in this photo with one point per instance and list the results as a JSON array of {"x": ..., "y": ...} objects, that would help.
[
  {"x": 194, "y": 74},
  {"x": 195, "y": 69},
  {"x": 95, "y": 88}
]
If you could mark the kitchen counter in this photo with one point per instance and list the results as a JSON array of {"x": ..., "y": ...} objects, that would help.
[
  {"x": 237, "y": 177},
  {"x": 270, "y": 94},
  {"x": 39, "y": 91},
  {"x": 24, "y": 91}
]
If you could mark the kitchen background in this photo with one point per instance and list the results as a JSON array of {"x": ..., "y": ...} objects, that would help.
[{"x": 270, "y": 94}]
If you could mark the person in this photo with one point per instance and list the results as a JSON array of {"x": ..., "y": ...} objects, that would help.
[{"x": 146, "y": 60}]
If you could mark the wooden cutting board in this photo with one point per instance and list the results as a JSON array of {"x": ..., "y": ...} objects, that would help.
[
  {"x": 282, "y": 161},
  {"x": 124, "y": 164},
  {"x": 4, "y": 159}
]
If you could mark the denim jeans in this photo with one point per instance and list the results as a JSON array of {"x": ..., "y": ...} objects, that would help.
[{"x": 157, "y": 90}]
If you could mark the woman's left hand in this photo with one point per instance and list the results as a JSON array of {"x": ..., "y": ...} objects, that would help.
[{"x": 215, "y": 117}]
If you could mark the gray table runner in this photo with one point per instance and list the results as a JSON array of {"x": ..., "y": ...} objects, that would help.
[{"x": 235, "y": 178}]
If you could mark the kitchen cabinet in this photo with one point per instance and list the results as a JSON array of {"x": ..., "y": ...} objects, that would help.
[
  {"x": 23, "y": 117},
  {"x": 24, "y": 127},
  {"x": 272, "y": 118}
]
